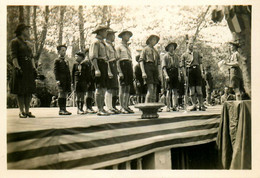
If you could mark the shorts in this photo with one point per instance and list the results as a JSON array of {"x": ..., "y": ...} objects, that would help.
[
  {"x": 101, "y": 82},
  {"x": 127, "y": 70},
  {"x": 174, "y": 80},
  {"x": 113, "y": 82},
  {"x": 194, "y": 74},
  {"x": 236, "y": 82},
  {"x": 152, "y": 73}
]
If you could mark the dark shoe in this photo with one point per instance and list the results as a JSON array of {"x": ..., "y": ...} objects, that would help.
[
  {"x": 30, "y": 115},
  {"x": 174, "y": 109},
  {"x": 67, "y": 112},
  {"x": 202, "y": 108},
  {"x": 129, "y": 110},
  {"x": 168, "y": 109},
  {"x": 62, "y": 112},
  {"x": 22, "y": 115},
  {"x": 194, "y": 108},
  {"x": 102, "y": 113},
  {"x": 116, "y": 111}
]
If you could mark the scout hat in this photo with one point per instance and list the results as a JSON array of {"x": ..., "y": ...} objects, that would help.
[
  {"x": 79, "y": 53},
  {"x": 152, "y": 36},
  {"x": 100, "y": 27},
  {"x": 20, "y": 28},
  {"x": 60, "y": 46},
  {"x": 125, "y": 31},
  {"x": 169, "y": 44},
  {"x": 110, "y": 30}
]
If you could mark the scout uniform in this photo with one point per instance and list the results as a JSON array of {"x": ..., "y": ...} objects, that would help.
[{"x": 62, "y": 74}]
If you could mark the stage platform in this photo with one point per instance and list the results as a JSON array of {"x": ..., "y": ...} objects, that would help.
[{"x": 50, "y": 141}]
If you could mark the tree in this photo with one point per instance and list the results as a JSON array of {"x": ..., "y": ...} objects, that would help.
[
  {"x": 21, "y": 14},
  {"x": 62, "y": 11},
  {"x": 81, "y": 29}
]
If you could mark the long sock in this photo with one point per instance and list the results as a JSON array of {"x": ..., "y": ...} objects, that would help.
[
  {"x": 78, "y": 105},
  {"x": 64, "y": 103},
  {"x": 194, "y": 100},
  {"x": 81, "y": 105},
  {"x": 200, "y": 100},
  {"x": 60, "y": 102},
  {"x": 114, "y": 99},
  {"x": 27, "y": 100},
  {"x": 20, "y": 102}
]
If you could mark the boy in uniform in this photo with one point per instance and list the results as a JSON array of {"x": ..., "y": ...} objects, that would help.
[
  {"x": 170, "y": 67},
  {"x": 63, "y": 78},
  {"x": 125, "y": 71},
  {"x": 149, "y": 61},
  {"x": 98, "y": 56}
]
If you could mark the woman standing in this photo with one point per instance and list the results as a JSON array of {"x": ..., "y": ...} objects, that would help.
[{"x": 24, "y": 72}]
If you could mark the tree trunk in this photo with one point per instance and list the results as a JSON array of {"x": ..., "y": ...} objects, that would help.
[
  {"x": 62, "y": 11},
  {"x": 44, "y": 33},
  {"x": 35, "y": 29},
  {"x": 21, "y": 14},
  {"x": 81, "y": 29},
  {"x": 198, "y": 27},
  {"x": 28, "y": 15}
]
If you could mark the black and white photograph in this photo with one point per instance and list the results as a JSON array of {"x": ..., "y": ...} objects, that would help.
[{"x": 129, "y": 87}]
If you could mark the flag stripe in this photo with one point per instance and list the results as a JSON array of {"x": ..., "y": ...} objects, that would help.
[
  {"x": 19, "y": 136},
  {"x": 116, "y": 155},
  {"x": 21, "y": 155}
]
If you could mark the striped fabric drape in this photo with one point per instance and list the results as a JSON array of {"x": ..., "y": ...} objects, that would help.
[{"x": 104, "y": 144}]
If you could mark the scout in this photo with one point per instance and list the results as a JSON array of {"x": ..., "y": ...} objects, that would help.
[
  {"x": 63, "y": 78},
  {"x": 80, "y": 80},
  {"x": 112, "y": 88},
  {"x": 192, "y": 62},
  {"x": 149, "y": 61},
  {"x": 98, "y": 56},
  {"x": 170, "y": 67},
  {"x": 236, "y": 79},
  {"x": 125, "y": 71}
]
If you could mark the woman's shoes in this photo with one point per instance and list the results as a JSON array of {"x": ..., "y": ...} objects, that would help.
[{"x": 24, "y": 115}]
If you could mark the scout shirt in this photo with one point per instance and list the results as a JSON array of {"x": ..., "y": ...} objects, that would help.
[
  {"x": 149, "y": 54},
  {"x": 111, "y": 51},
  {"x": 97, "y": 49},
  {"x": 235, "y": 70},
  {"x": 62, "y": 73},
  {"x": 190, "y": 59},
  {"x": 124, "y": 52},
  {"x": 170, "y": 61}
]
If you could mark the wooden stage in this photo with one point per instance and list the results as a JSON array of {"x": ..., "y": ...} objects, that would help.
[{"x": 50, "y": 141}]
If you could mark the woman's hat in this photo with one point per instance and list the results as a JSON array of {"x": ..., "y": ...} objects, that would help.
[
  {"x": 21, "y": 27},
  {"x": 100, "y": 27},
  {"x": 169, "y": 44},
  {"x": 125, "y": 31},
  {"x": 152, "y": 36}
]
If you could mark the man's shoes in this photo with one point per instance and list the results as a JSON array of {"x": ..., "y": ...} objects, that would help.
[
  {"x": 116, "y": 111},
  {"x": 174, "y": 109},
  {"x": 111, "y": 111},
  {"x": 64, "y": 112},
  {"x": 22, "y": 115},
  {"x": 168, "y": 109},
  {"x": 123, "y": 111},
  {"x": 202, "y": 108},
  {"x": 129, "y": 110},
  {"x": 80, "y": 111},
  {"x": 194, "y": 108},
  {"x": 90, "y": 111},
  {"x": 29, "y": 114},
  {"x": 102, "y": 113}
]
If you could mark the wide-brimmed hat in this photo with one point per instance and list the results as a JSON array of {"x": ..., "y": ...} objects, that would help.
[
  {"x": 100, "y": 27},
  {"x": 110, "y": 30},
  {"x": 169, "y": 44},
  {"x": 123, "y": 32},
  {"x": 152, "y": 36},
  {"x": 79, "y": 53},
  {"x": 21, "y": 27},
  {"x": 60, "y": 46}
]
